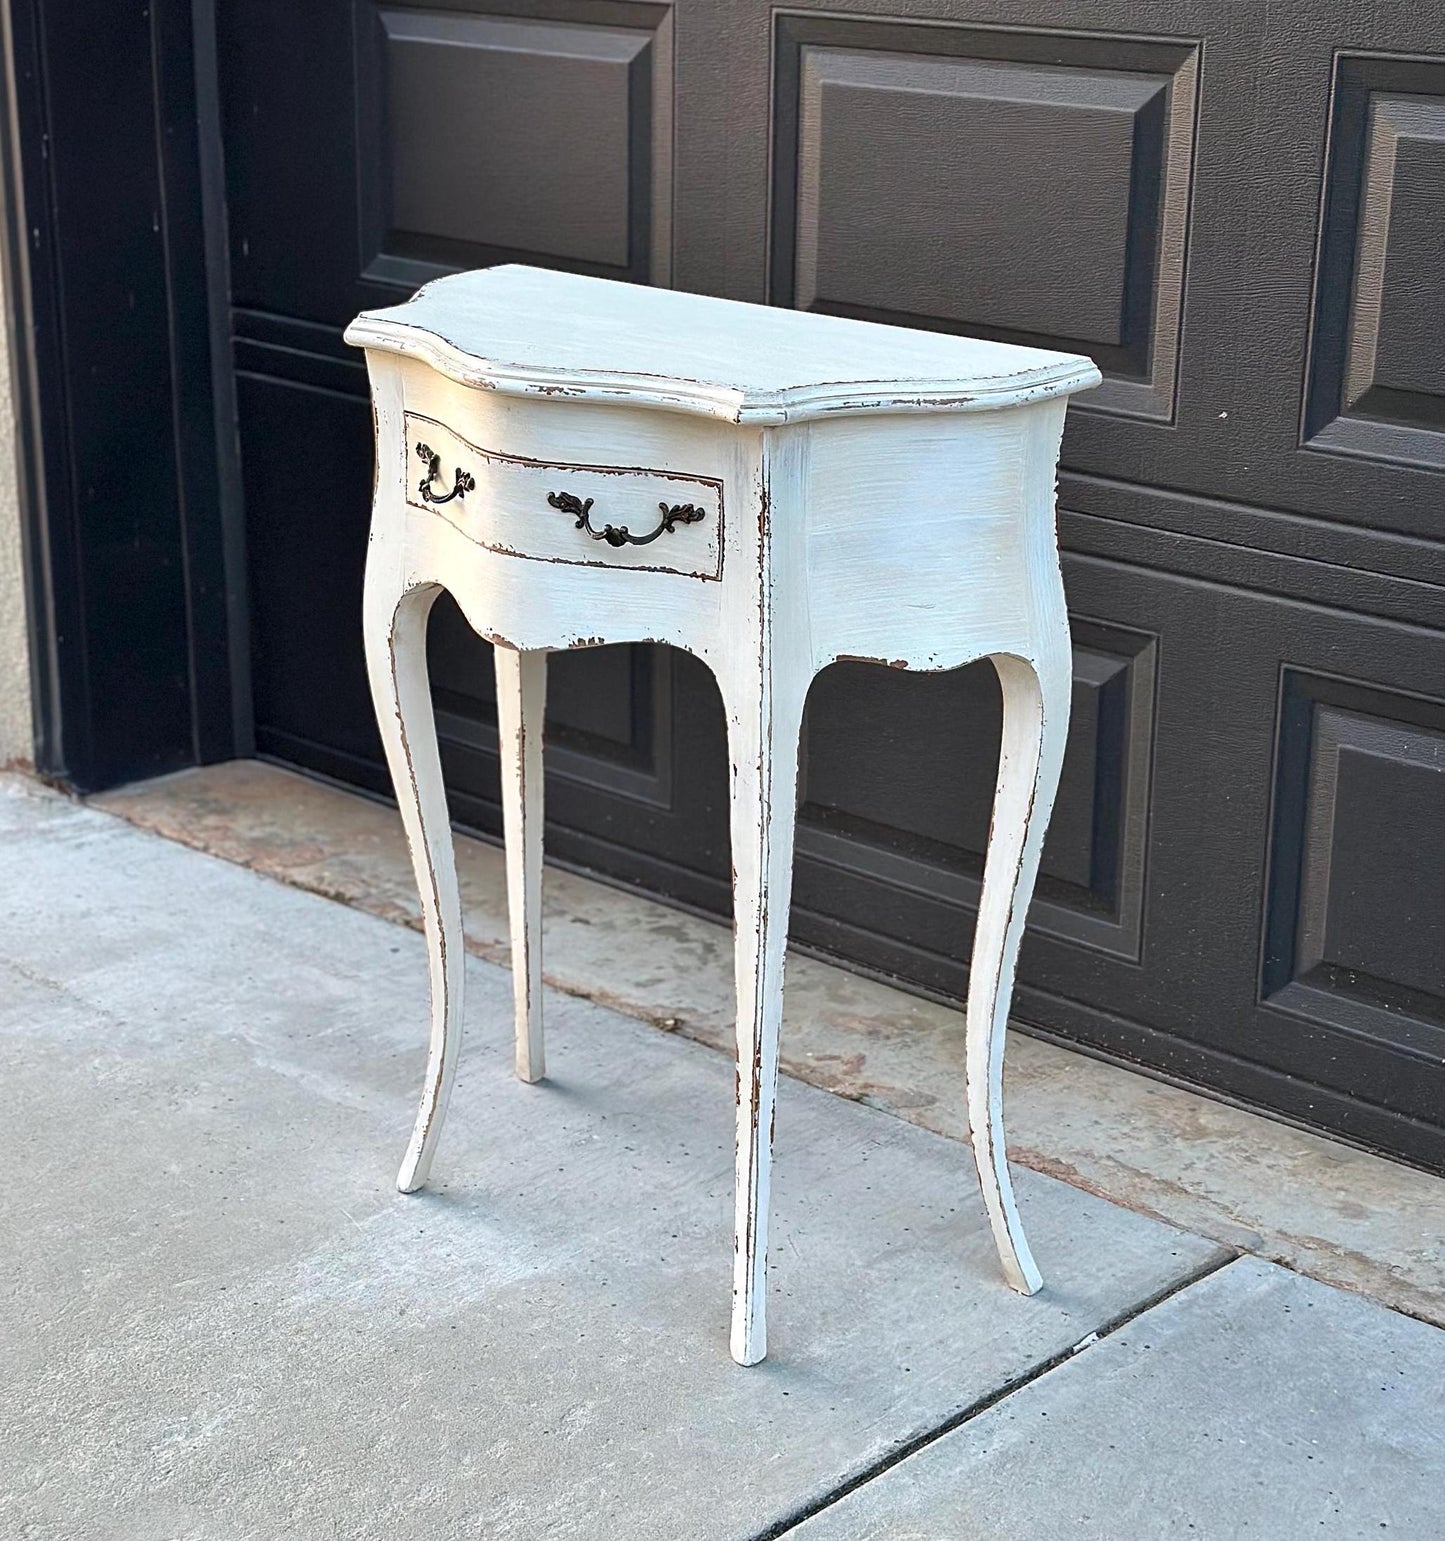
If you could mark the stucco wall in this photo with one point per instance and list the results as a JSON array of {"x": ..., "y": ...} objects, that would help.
[{"x": 16, "y": 734}]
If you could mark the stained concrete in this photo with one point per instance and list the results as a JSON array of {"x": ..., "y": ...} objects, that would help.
[
  {"x": 1254, "y": 1404},
  {"x": 1338, "y": 1214},
  {"x": 223, "y": 1322}
]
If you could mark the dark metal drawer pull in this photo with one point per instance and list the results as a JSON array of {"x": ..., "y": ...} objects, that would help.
[
  {"x": 673, "y": 514},
  {"x": 464, "y": 483}
]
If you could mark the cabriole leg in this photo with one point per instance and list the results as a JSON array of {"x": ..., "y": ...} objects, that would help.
[
  {"x": 1035, "y": 726},
  {"x": 763, "y": 728},
  {"x": 521, "y": 700},
  {"x": 394, "y": 625}
]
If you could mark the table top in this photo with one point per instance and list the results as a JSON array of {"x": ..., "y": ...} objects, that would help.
[{"x": 529, "y": 331}]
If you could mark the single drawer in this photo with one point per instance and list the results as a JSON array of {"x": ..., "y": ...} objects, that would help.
[{"x": 591, "y": 516}]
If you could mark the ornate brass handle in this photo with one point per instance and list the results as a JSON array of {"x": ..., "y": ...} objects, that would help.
[
  {"x": 673, "y": 514},
  {"x": 465, "y": 482}
]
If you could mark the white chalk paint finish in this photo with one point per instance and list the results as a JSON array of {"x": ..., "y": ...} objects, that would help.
[{"x": 846, "y": 491}]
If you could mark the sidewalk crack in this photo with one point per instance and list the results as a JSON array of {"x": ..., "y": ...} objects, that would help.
[{"x": 916, "y": 1442}]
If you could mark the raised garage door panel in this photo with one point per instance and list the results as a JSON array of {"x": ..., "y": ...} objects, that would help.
[
  {"x": 885, "y": 140},
  {"x": 383, "y": 144},
  {"x": 907, "y": 160},
  {"x": 1356, "y": 926},
  {"x": 1238, "y": 210},
  {"x": 1377, "y": 384},
  {"x": 497, "y": 137}
]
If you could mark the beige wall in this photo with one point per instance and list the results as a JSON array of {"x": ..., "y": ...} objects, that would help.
[{"x": 16, "y": 733}]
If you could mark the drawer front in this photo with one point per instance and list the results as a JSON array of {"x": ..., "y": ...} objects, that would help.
[{"x": 591, "y": 516}]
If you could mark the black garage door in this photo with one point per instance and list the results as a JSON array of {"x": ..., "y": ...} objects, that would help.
[{"x": 1237, "y": 209}]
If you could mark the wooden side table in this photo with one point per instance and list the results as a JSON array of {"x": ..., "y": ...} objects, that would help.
[{"x": 581, "y": 462}]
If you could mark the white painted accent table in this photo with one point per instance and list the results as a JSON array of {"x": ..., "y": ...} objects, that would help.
[{"x": 581, "y": 462}]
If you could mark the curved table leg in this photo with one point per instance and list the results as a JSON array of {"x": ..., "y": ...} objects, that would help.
[
  {"x": 1035, "y": 726},
  {"x": 763, "y": 728},
  {"x": 394, "y": 625},
  {"x": 521, "y": 701}
]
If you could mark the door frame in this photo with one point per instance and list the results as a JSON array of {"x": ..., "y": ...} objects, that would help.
[{"x": 146, "y": 401}]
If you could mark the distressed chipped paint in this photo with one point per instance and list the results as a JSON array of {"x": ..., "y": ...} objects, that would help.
[
  {"x": 521, "y": 695},
  {"x": 857, "y": 514},
  {"x": 719, "y": 372}
]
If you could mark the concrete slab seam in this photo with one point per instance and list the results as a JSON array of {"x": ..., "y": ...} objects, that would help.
[{"x": 790, "y": 1522}]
